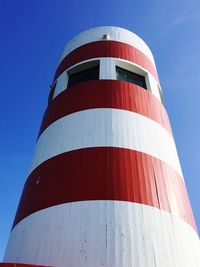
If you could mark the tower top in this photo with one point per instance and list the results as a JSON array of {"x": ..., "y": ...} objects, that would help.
[{"x": 110, "y": 33}]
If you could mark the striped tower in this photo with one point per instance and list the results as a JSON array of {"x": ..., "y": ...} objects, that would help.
[{"x": 105, "y": 188}]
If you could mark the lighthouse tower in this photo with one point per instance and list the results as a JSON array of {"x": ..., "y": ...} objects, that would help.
[{"x": 105, "y": 188}]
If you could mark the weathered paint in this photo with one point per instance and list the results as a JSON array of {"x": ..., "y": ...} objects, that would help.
[
  {"x": 105, "y": 187},
  {"x": 104, "y": 233},
  {"x": 115, "y": 34},
  {"x": 106, "y": 127},
  {"x": 105, "y": 173},
  {"x": 106, "y": 94},
  {"x": 106, "y": 49}
]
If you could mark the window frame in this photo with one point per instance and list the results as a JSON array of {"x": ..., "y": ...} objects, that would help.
[
  {"x": 107, "y": 71},
  {"x": 138, "y": 77},
  {"x": 81, "y": 68},
  {"x": 52, "y": 91}
]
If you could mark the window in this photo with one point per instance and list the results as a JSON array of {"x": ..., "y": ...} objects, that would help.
[
  {"x": 91, "y": 73},
  {"x": 128, "y": 76},
  {"x": 53, "y": 87},
  {"x": 160, "y": 93}
]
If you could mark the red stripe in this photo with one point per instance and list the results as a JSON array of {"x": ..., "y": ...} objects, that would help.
[
  {"x": 105, "y": 174},
  {"x": 106, "y": 49},
  {"x": 106, "y": 94}
]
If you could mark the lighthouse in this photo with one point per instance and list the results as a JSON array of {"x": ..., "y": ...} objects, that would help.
[{"x": 105, "y": 186}]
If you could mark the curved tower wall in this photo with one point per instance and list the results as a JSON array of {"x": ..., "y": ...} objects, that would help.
[{"x": 105, "y": 187}]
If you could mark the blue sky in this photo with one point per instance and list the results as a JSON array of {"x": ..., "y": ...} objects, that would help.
[{"x": 33, "y": 34}]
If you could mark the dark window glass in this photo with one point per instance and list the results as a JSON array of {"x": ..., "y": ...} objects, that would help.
[
  {"x": 131, "y": 77},
  {"x": 82, "y": 76},
  {"x": 161, "y": 95},
  {"x": 53, "y": 87}
]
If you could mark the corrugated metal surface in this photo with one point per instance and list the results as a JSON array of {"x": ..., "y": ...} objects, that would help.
[
  {"x": 105, "y": 186},
  {"x": 106, "y": 127},
  {"x": 106, "y": 94},
  {"x": 105, "y": 173},
  {"x": 115, "y": 34},
  {"x": 107, "y": 71},
  {"x": 104, "y": 233},
  {"x": 107, "y": 49}
]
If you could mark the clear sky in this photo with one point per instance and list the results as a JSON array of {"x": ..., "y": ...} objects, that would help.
[{"x": 32, "y": 36}]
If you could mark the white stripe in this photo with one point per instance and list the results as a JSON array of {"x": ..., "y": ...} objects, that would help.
[
  {"x": 115, "y": 34},
  {"x": 104, "y": 233},
  {"x": 106, "y": 127}
]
